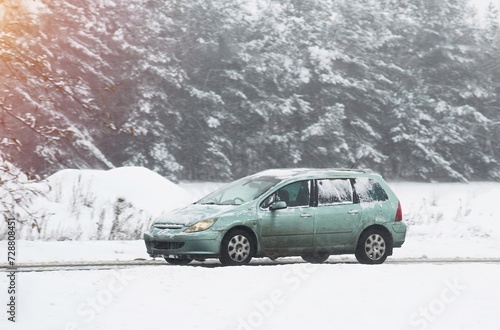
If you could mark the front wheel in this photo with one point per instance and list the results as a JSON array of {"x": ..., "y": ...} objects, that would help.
[
  {"x": 373, "y": 247},
  {"x": 237, "y": 248}
]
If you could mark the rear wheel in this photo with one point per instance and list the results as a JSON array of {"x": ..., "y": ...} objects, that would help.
[
  {"x": 178, "y": 260},
  {"x": 373, "y": 247},
  {"x": 237, "y": 248}
]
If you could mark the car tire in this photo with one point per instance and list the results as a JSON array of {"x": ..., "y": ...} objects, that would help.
[
  {"x": 178, "y": 261},
  {"x": 373, "y": 247},
  {"x": 237, "y": 248},
  {"x": 315, "y": 258}
]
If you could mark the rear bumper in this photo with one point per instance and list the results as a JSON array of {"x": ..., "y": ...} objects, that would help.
[
  {"x": 206, "y": 244},
  {"x": 398, "y": 234}
]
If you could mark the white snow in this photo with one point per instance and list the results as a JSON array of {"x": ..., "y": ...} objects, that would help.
[
  {"x": 284, "y": 296},
  {"x": 95, "y": 204},
  {"x": 448, "y": 221}
]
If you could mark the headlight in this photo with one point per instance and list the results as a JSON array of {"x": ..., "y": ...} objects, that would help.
[{"x": 201, "y": 225}]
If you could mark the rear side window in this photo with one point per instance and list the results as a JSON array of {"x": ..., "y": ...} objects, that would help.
[
  {"x": 334, "y": 191},
  {"x": 369, "y": 190}
]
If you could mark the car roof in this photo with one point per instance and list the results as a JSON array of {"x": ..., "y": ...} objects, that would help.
[{"x": 306, "y": 173}]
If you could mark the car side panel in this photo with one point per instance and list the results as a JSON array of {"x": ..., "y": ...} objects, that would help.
[
  {"x": 335, "y": 225},
  {"x": 288, "y": 231}
]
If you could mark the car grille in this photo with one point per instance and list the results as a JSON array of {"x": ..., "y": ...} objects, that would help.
[
  {"x": 167, "y": 226},
  {"x": 167, "y": 245}
]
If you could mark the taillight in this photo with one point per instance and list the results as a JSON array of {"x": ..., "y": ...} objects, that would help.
[{"x": 399, "y": 213}]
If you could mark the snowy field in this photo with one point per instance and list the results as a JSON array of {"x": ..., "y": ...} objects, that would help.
[
  {"x": 446, "y": 222},
  {"x": 281, "y": 296}
]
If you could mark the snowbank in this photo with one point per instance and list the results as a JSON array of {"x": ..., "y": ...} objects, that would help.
[
  {"x": 450, "y": 210},
  {"x": 145, "y": 189},
  {"x": 99, "y": 205}
]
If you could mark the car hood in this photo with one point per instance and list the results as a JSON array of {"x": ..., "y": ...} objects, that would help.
[{"x": 193, "y": 213}]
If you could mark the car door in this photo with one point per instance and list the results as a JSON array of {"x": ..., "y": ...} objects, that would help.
[
  {"x": 337, "y": 215},
  {"x": 289, "y": 230}
]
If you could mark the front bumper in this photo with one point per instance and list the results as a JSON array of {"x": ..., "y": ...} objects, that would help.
[{"x": 177, "y": 243}]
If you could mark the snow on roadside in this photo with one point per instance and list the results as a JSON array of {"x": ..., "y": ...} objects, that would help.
[
  {"x": 451, "y": 210},
  {"x": 116, "y": 204},
  {"x": 146, "y": 189}
]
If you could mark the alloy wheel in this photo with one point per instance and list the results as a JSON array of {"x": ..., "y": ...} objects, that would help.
[
  {"x": 238, "y": 248},
  {"x": 375, "y": 247}
]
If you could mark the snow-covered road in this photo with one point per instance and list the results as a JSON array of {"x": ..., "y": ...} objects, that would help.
[
  {"x": 285, "y": 295},
  {"x": 106, "y": 265},
  {"x": 414, "y": 289}
]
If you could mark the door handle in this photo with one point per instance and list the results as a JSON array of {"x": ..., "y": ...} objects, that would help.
[
  {"x": 305, "y": 215},
  {"x": 353, "y": 212}
]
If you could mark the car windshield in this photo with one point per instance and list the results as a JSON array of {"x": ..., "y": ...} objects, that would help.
[{"x": 240, "y": 191}]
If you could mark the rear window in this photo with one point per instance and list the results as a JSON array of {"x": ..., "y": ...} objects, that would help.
[
  {"x": 334, "y": 191},
  {"x": 369, "y": 190}
]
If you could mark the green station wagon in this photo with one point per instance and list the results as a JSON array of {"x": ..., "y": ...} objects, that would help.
[{"x": 312, "y": 213}]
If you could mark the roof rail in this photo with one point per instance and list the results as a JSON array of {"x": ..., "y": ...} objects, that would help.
[{"x": 362, "y": 170}]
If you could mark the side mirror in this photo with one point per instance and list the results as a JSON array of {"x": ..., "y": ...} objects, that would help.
[{"x": 278, "y": 206}]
